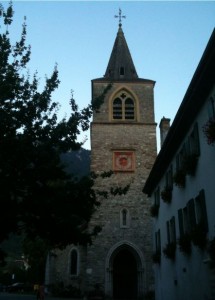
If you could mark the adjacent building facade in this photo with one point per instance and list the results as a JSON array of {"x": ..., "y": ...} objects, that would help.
[
  {"x": 123, "y": 140},
  {"x": 181, "y": 187}
]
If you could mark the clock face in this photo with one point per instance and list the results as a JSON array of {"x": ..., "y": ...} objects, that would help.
[{"x": 123, "y": 161}]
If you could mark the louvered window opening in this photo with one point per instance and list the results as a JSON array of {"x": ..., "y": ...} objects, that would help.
[
  {"x": 123, "y": 109},
  {"x": 117, "y": 109},
  {"x": 129, "y": 109}
]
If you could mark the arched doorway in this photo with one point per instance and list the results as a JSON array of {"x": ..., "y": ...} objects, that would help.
[{"x": 124, "y": 275}]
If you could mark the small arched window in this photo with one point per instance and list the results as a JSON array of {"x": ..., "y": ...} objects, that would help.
[
  {"x": 123, "y": 107},
  {"x": 74, "y": 262},
  {"x": 124, "y": 218}
]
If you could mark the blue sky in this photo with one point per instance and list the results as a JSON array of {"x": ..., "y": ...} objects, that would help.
[{"x": 166, "y": 40}]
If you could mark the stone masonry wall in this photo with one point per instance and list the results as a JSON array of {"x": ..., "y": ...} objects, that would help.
[
  {"x": 142, "y": 92},
  {"x": 104, "y": 140},
  {"x": 140, "y": 137},
  {"x": 108, "y": 136}
]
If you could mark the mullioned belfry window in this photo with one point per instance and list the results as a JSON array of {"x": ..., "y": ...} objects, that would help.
[{"x": 123, "y": 107}]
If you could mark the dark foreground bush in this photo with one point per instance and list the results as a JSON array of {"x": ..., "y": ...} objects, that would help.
[{"x": 69, "y": 291}]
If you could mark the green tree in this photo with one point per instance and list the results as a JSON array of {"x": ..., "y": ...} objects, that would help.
[
  {"x": 38, "y": 199},
  {"x": 35, "y": 253}
]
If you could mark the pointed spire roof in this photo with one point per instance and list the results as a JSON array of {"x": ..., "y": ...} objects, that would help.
[{"x": 120, "y": 66}]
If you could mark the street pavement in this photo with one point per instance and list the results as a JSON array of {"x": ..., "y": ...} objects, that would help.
[{"x": 10, "y": 296}]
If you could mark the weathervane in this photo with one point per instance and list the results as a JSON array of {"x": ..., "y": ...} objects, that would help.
[{"x": 120, "y": 17}]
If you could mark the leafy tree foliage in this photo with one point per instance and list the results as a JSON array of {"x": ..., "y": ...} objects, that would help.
[
  {"x": 38, "y": 199},
  {"x": 35, "y": 254}
]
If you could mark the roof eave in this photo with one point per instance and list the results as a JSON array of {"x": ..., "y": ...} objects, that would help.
[{"x": 136, "y": 80}]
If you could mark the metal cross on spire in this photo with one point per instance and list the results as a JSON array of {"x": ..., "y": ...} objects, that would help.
[{"x": 120, "y": 17}]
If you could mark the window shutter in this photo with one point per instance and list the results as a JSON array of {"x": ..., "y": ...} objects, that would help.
[
  {"x": 158, "y": 241},
  {"x": 191, "y": 214},
  {"x": 203, "y": 209},
  {"x": 173, "y": 232},
  {"x": 168, "y": 232},
  {"x": 186, "y": 223},
  {"x": 195, "y": 147},
  {"x": 180, "y": 222}
]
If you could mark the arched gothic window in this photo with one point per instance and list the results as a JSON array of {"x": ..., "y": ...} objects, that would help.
[
  {"x": 123, "y": 107},
  {"x": 74, "y": 262}
]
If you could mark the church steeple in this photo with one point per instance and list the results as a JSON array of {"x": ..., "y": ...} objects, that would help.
[{"x": 120, "y": 65}]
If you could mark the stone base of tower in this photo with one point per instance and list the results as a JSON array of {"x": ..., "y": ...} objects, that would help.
[
  {"x": 118, "y": 265},
  {"x": 126, "y": 274}
]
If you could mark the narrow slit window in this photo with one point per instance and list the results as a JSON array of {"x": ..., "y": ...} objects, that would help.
[
  {"x": 74, "y": 262},
  {"x": 124, "y": 218}
]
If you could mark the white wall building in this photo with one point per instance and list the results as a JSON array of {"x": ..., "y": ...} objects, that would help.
[{"x": 181, "y": 186}]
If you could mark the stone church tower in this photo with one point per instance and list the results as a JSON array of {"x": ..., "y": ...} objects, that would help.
[{"x": 123, "y": 140}]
